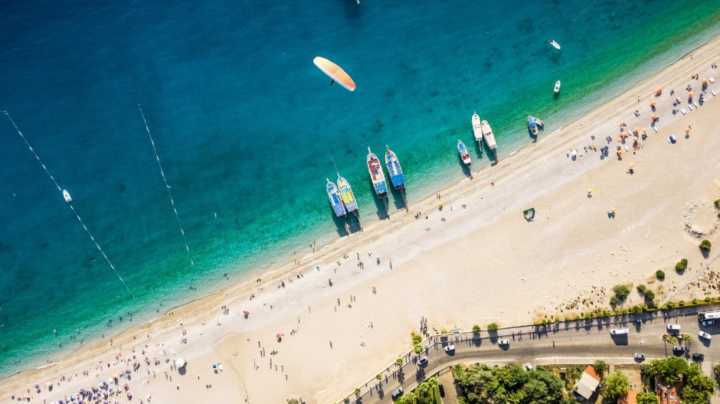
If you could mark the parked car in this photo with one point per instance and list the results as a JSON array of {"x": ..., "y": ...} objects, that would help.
[
  {"x": 397, "y": 393},
  {"x": 619, "y": 331},
  {"x": 449, "y": 349},
  {"x": 422, "y": 361},
  {"x": 639, "y": 357},
  {"x": 704, "y": 335},
  {"x": 678, "y": 350},
  {"x": 698, "y": 357},
  {"x": 673, "y": 328},
  {"x": 504, "y": 342}
]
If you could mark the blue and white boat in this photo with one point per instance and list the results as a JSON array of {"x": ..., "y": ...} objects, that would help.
[
  {"x": 377, "y": 176},
  {"x": 394, "y": 169},
  {"x": 334, "y": 197},
  {"x": 535, "y": 125},
  {"x": 463, "y": 152}
]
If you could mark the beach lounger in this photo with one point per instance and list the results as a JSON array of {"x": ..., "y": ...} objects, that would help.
[
  {"x": 683, "y": 111},
  {"x": 690, "y": 107},
  {"x": 714, "y": 93}
]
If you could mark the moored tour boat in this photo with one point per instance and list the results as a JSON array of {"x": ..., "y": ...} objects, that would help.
[
  {"x": 463, "y": 152},
  {"x": 556, "y": 90},
  {"x": 334, "y": 196},
  {"x": 346, "y": 194},
  {"x": 488, "y": 135},
  {"x": 554, "y": 44},
  {"x": 376, "y": 174},
  {"x": 477, "y": 130},
  {"x": 397, "y": 178}
]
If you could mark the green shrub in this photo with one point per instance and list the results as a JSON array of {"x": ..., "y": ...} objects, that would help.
[
  {"x": 641, "y": 289},
  {"x": 476, "y": 329},
  {"x": 660, "y": 275},
  {"x": 492, "y": 327},
  {"x": 681, "y": 266},
  {"x": 649, "y": 298},
  {"x": 717, "y": 203},
  {"x": 600, "y": 367},
  {"x": 647, "y": 397},
  {"x": 615, "y": 385},
  {"x": 705, "y": 246}
]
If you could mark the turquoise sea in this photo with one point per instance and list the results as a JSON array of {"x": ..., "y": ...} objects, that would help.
[{"x": 248, "y": 129}]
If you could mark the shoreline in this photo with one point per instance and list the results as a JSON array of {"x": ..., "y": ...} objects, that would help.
[{"x": 515, "y": 163}]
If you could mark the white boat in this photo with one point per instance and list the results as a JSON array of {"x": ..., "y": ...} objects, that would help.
[
  {"x": 488, "y": 135},
  {"x": 66, "y": 196},
  {"x": 477, "y": 130},
  {"x": 464, "y": 154},
  {"x": 556, "y": 90},
  {"x": 554, "y": 44}
]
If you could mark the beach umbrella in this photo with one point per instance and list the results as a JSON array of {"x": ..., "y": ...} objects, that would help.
[
  {"x": 180, "y": 363},
  {"x": 335, "y": 72}
]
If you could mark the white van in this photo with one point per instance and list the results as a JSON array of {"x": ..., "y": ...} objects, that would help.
[
  {"x": 673, "y": 328},
  {"x": 619, "y": 331}
]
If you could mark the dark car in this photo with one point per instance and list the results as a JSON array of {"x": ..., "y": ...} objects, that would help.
[
  {"x": 397, "y": 393},
  {"x": 422, "y": 361},
  {"x": 698, "y": 357},
  {"x": 639, "y": 357},
  {"x": 678, "y": 350}
]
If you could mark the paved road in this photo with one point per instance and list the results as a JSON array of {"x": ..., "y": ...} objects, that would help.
[{"x": 571, "y": 343}]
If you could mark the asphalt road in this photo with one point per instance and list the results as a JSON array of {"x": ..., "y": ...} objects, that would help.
[{"x": 567, "y": 343}]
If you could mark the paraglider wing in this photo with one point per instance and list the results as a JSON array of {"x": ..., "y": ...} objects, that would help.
[{"x": 335, "y": 72}]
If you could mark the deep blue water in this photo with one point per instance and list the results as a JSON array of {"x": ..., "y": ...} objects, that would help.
[{"x": 248, "y": 129}]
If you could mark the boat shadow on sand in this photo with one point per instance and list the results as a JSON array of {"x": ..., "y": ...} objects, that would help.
[
  {"x": 399, "y": 198},
  {"x": 347, "y": 224},
  {"x": 482, "y": 150},
  {"x": 382, "y": 206},
  {"x": 466, "y": 169}
]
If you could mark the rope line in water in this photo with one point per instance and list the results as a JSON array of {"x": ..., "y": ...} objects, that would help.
[
  {"x": 167, "y": 185},
  {"x": 69, "y": 203}
]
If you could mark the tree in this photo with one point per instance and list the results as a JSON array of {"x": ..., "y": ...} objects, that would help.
[
  {"x": 641, "y": 289},
  {"x": 647, "y": 397},
  {"x": 600, "y": 367},
  {"x": 492, "y": 327},
  {"x": 508, "y": 384},
  {"x": 476, "y": 329},
  {"x": 668, "y": 370},
  {"x": 621, "y": 293},
  {"x": 660, "y": 275},
  {"x": 427, "y": 392},
  {"x": 716, "y": 373},
  {"x": 416, "y": 340},
  {"x": 649, "y": 298},
  {"x": 705, "y": 246},
  {"x": 698, "y": 388},
  {"x": 615, "y": 385},
  {"x": 681, "y": 266}
]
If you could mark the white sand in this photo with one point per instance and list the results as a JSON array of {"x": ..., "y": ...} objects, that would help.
[{"x": 476, "y": 261}]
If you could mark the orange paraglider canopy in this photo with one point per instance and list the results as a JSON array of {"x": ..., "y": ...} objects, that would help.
[{"x": 335, "y": 72}]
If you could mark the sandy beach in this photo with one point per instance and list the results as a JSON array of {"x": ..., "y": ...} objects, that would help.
[{"x": 320, "y": 327}]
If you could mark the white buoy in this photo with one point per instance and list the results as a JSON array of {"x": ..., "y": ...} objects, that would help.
[{"x": 66, "y": 196}]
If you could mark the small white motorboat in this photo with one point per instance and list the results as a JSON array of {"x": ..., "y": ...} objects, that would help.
[
  {"x": 556, "y": 90},
  {"x": 477, "y": 127},
  {"x": 488, "y": 134},
  {"x": 66, "y": 195},
  {"x": 463, "y": 152},
  {"x": 554, "y": 44}
]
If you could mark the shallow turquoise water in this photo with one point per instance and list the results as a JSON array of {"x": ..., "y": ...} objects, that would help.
[{"x": 248, "y": 129}]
